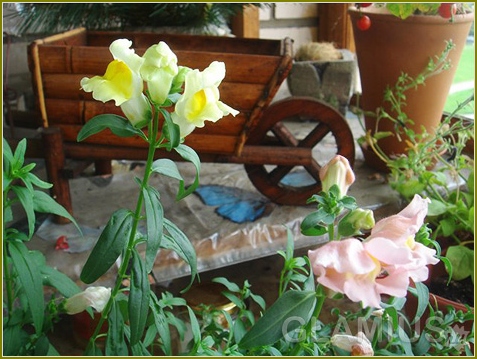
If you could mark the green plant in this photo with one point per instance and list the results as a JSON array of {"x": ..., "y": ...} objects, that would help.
[
  {"x": 56, "y": 17},
  {"x": 28, "y": 318},
  {"x": 430, "y": 163},
  {"x": 162, "y": 103},
  {"x": 291, "y": 326}
]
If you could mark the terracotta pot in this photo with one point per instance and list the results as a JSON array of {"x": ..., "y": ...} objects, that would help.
[
  {"x": 84, "y": 327},
  {"x": 437, "y": 302},
  {"x": 392, "y": 46}
]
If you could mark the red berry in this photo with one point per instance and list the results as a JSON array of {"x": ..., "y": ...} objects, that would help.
[
  {"x": 364, "y": 4},
  {"x": 364, "y": 23},
  {"x": 447, "y": 10}
]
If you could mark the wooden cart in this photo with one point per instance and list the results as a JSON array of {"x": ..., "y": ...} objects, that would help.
[{"x": 259, "y": 137}]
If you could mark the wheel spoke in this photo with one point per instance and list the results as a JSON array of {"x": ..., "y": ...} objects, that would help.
[
  {"x": 314, "y": 170},
  {"x": 277, "y": 174},
  {"x": 284, "y": 135},
  {"x": 315, "y": 136}
]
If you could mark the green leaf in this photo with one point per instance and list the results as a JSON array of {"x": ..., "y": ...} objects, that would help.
[
  {"x": 462, "y": 260},
  {"x": 190, "y": 155},
  {"x": 229, "y": 285},
  {"x": 161, "y": 324},
  {"x": 436, "y": 208},
  {"x": 170, "y": 130},
  {"x": 34, "y": 180},
  {"x": 26, "y": 199},
  {"x": 310, "y": 225},
  {"x": 19, "y": 155},
  {"x": 179, "y": 243},
  {"x": 138, "y": 304},
  {"x": 31, "y": 282},
  {"x": 7, "y": 153},
  {"x": 291, "y": 310},
  {"x": 166, "y": 167},
  {"x": 154, "y": 221},
  {"x": 43, "y": 203},
  {"x": 118, "y": 125},
  {"x": 448, "y": 226},
  {"x": 111, "y": 243},
  {"x": 115, "y": 343},
  {"x": 60, "y": 281},
  {"x": 14, "y": 340},
  {"x": 422, "y": 293}
]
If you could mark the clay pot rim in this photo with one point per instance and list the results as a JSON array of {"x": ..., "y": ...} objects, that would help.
[{"x": 382, "y": 14}]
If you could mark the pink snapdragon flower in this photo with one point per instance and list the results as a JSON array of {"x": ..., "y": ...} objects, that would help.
[
  {"x": 392, "y": 241},
  {"x": 382, "y": 264},
  {"x": 346, "y": 267},
  {"x": 337, "y": 172}
]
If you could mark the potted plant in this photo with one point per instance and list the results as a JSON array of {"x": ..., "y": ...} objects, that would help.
[
  {"x": 322, "y": 71},
  {"x": 436, "y": 166},
  {"x": 392, "y": 39}
]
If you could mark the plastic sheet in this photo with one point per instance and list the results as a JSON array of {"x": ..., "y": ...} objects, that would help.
[{"x": 218, "y": 241}]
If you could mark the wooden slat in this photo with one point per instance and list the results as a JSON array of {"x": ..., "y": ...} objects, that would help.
[
  {"x": 55, "y": 59},
  {"x": 75, "y": 37},
  {"x": 178, "y": 42},
  {"x": 206, "y": 143},
  {"x": 64, "y": 111},
  {"x": 241, "y": 97}
]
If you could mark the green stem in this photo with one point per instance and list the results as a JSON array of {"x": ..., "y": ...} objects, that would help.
[
  {"x": 6, "y": 269},
  {"x": 331, "y": 231},
  {"x": 320, "y": 300},
  {"x": 153, "y": 131},
  {"x": 8, "y": 277}
]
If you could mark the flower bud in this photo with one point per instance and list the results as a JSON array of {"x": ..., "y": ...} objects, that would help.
[
  {"x": 355, "y": 221},
  {"x": 357, "y": 345},
  {"x": 179, "y": 80},
  {"x": 337, "y": 171},
  {"x": 158, "y": 70},
  {"x": 95, "y": 297}
]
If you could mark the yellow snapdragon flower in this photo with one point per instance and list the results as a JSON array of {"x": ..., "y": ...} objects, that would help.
[{"x": 200, "y": 101}]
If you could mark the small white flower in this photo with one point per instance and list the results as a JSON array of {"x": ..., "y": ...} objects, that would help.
[
  {"x": 357, "y": 345},
  {"x": 95, "y": 297}
]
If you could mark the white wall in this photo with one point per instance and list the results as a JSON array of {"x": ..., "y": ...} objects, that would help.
[{"x": 298, "y": 21}]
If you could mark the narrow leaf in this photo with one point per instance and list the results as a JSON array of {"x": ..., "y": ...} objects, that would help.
[
  {"x": 290, "y": 311},
  {"x": 30, "y": 279},
  {"x": 43, "y": 203},
  {"x": 19, "y": 155},
  {"x": 26, "y": 199},
  {"x": 166, "y": 167},
  {"x": 422, "y": 300},
  {"x": 179, "y": 243},
  {"x": 110, "y": 244},
  {"x": 115, "y": 343},
  {"x": 161, "y": 324},
  {"x": 138, "y": 303},
  {"x": 34, "y": 180},
  {"x": 60, "y": 281},
  {"x": 118, "y": 125},
  {"x": 190, "y": 155},
  {"x": 154, "y": 221}
]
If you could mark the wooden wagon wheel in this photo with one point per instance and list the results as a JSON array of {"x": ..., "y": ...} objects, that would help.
[{"x": 301, "y": 122}]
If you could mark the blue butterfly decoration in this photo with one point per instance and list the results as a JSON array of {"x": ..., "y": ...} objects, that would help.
[{"x": 235, "y": 204}]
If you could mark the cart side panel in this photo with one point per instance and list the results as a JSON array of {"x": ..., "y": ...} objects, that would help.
[
  {"x": 197, "y": 43},
  {"x": 250, "y": 83}
]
